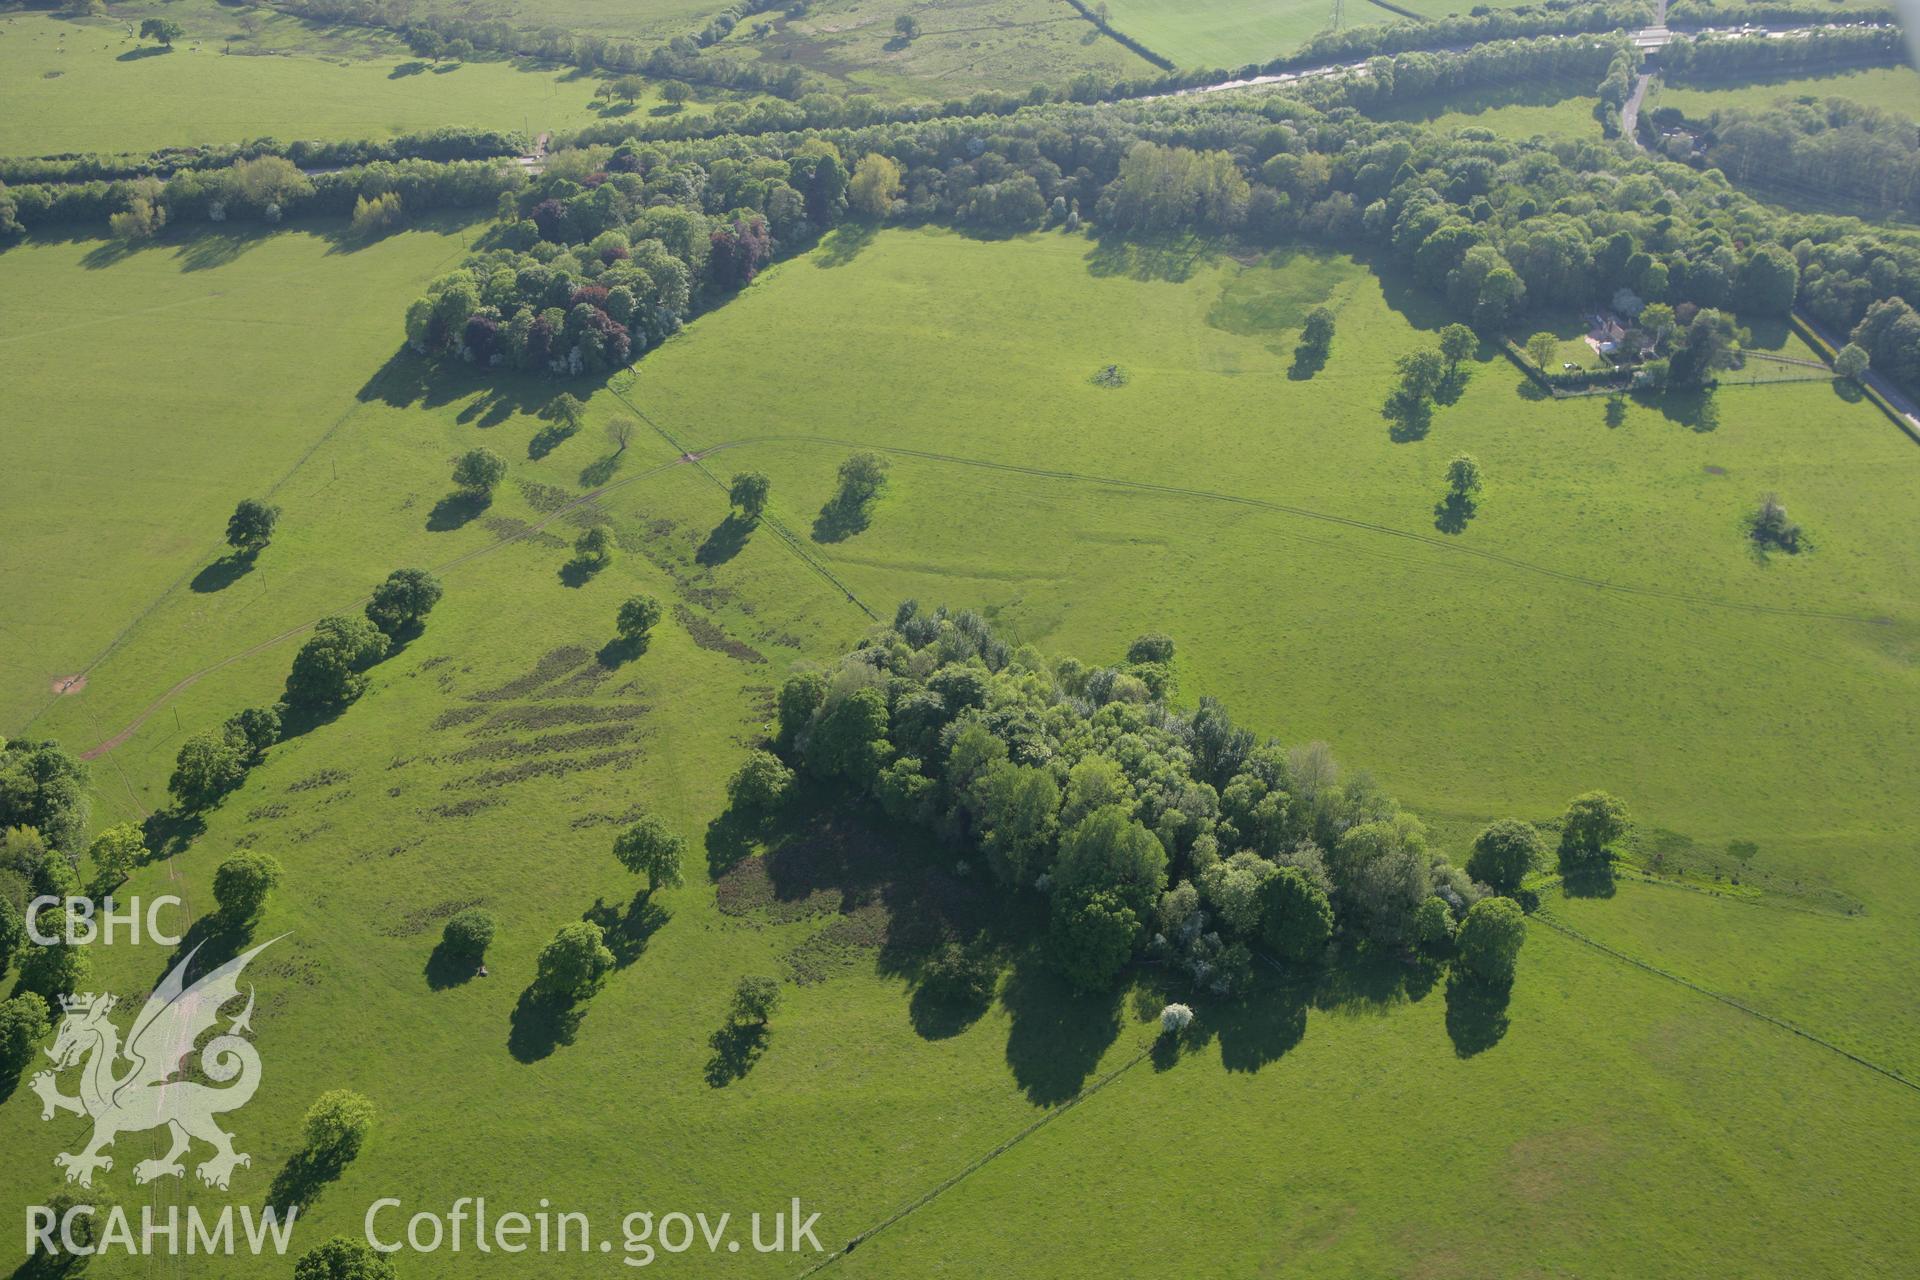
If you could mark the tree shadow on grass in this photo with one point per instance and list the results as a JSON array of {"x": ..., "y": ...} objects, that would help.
[
  {"x": 1169, "y": 260},
  {"x": 404, "y": 69},
  {"x": 209, "y": 249},
  {"x": 725, "y": 541},
  {"x": 1452, "y": 513},
  {"x": 224, "y": 572},
  {"x": 1058, "y": 1035},
  {"x": 1363, "y": 979},
  {"x": 408, "y": 378},
  {"x": 620, "y": 649},
  {"x": 108, "y": 253},
  {"x": 456, "y": 510},
  {"x": 541, "y": 1024},
  {"x": 579, "y": 571},
  {"x": 549, "y": 438},
  {"x": 1307, "y": 361},
  {"x": 1409, "y": 425},
  {"x": 304, "y": 1176},
  {"x": 840, "y": 520},
  {"x": 1420, "y": 306},
  {"x": 448, "y": 968},
  {"x": 150, "y": 51},
  {"x": 731, "y": 837},
  {"x": 170, "y": 831},
  {"x": 844, "y": 243},
  {"x": 298, "y": 721},
  {"x": 597, "y": 473},
  {"x": 736, "y": 1047},
  {"x": 626, "y": 932},
  {"x": 940, "y": 1018},
  {"x": 1580, "y": 880},
  {"x": 212, "y": 940},
  {"x": 1476, "y": 1013},
  {"x": 1265, "y": 1024},
  {"x": 1696, "y": 410}
]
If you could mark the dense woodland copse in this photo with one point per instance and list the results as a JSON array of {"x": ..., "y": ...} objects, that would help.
[
  {"x": 1182, "y": 836},
  {"x": 1832, "y": 149}
]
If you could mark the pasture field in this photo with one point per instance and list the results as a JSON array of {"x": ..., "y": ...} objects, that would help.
[
  {"x": 645, "y": 22},
  {"x": 964, "y": 46},
  {"x": 1518, "y": 111},
  {"x": 1233, "y": 33},
  {"x": 1599, "y": 622},
  {"x": 69, "y": 85},
  {"x": 1430, "y": 9},
  {"x": 1228, "y": 33},
  {"x": 1895, "y": 90}
]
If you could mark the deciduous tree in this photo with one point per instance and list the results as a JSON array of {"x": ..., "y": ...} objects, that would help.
[
  {"x": 1504, "y": 852},
  {"x": 748, "y": 492},
  {"x": 637, "y": 618},
  {"x": 1490, "y": 938},
  {"x": 402, "y": 602},
  {"x": 250, "y": 527},
  {"x": 575, "y": 965},
  {"x": 241, "y": 885},
  {"x": 650, "y": 848},
  {"x": 479, "y": 470}
]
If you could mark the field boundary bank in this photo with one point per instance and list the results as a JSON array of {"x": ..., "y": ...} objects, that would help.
[
  {"x": 779, "y": 527},
  {"x": 1306, "y": 513},
  {"x": 947, "y": 1184},
  {"x": 1120, "y": 37},
  {"x": 1764, "y": 899},
  {"x": 1545, "y": 917}
]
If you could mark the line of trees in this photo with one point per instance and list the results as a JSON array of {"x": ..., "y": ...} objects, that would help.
[
  {"x": 327, "y": 673},
  {"x": 454, "y": 142},
  {"x": 1498, "y": 227},
  {"x": 267, "y": 188}
]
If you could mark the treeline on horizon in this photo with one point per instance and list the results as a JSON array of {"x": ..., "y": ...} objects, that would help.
[
  {"x": 615, "y": 245},
  {"x": 1498, "y": 227}
]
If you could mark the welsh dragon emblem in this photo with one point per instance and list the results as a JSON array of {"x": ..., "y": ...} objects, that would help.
[{"x": 145, "y": 1095}]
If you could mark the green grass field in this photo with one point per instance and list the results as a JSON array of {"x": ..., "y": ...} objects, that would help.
[
  {"x": 1600, "y": 622},
  {"x": 69, "y": 85},
  {"x": 1517, "y": 112},
  {"x": 1227, "y": 33},
  {"x": 652, "y": 20},
  {"x": 1233, "y": 33},
  {"x": 1891, "y": 89},
  {"x": 964, "y": 46}
]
